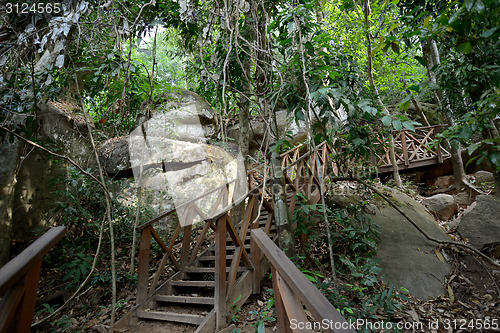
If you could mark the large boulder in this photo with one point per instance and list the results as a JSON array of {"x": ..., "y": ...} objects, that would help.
[
  {"x": 443, "y": 205},
  {"x": 407, "y": 258},
  {"x": 186, "y": 114},
  {"x": 481, "y": 225},
  {"x": 180, "y": 115}
]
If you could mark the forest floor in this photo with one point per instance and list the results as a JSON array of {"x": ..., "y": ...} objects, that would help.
[{"x": 472, "y": 300}]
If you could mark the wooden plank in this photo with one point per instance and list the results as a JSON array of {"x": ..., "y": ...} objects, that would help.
[
  {"x": 158, "y": 274},
  {"x": 208, "y": 270},
  {"x": 199, "y": 242},
  {"x": 170, "y": 316},
  {"x": 197, "y": 284},
  {"x": 18, "y": 267},
  {"x": 158, "y": 239},
  {"x": 184, "y": 299},
  {"x": 24, "y": 316},
  {"x": 143, "y": 267},
  {"x": 293, "y": 307},
  {"x": 282, "y": 319},
  {"x": 243, "y": 288},
  {"x": 220, "y": 274},
  {"x": 9, "y": 304},
  {"x": 308, "y": 294},
  {"x": 208, "y": 323},
  {"x": 186, "y": 244}
]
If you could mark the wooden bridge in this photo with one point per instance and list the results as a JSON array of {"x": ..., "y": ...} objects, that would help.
[
  {"x": 413, "y": 150},
  {"x": 209, "y": 269}
]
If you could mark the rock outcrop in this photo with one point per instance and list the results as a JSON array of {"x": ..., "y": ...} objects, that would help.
[{"x": 407, "y": 258}]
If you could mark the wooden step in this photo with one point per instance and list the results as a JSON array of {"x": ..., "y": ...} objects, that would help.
[
  {"x": 233, "y": 247},
  {"x": 208, "y": 269},
  {"x": 212, "y": 258},
  {"x": 198, "y": 284},
  {"x": 184, "y": 299},
  {"x": 170, "y": 316}
]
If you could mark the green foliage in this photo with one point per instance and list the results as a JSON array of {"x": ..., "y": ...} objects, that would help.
[{"x": 263, "y": 316}]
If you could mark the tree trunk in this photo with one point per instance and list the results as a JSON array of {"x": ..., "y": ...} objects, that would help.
[
  {"x": 431, "y": 56},
  {"x": 9, "y": 158},
  {"x": 286, "y": 238},
  {"x": 392, "y": 154}
]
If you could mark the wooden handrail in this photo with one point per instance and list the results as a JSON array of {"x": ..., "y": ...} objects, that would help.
[
  {"x": 19, "y": 283},
  {"x": 301, "y": 287},
  {"x": 15, "y": 269}
]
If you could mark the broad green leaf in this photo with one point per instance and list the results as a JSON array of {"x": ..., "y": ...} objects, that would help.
[
  {"x": 469, "y": 3},
  {"x": 426, "y": 21},
  {"x": 398, "y": 126},
  {"x": 409, "y": 125},
  {"x": 473, "y": 147},
  {"x": 488, "y": 33},
  {"x": 386, "y": 120},
  {"x": 420, "y": 60},
  {"x": 465, "y": 48}
]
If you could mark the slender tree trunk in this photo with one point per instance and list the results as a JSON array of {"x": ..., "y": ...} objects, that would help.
[
  {"x": 392, "y": 154},
  {"x": 286, "y": 238},
  {"x": 431, "y": 56},
  {"x": 9, "y": 159}
]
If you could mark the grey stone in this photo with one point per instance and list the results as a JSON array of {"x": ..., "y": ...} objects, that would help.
[
  {"x": 481, "y": 225},
  {"x": 443, "y": 205},
  {"x": 484, "y": 177},
  {"x": 407, "y": 258},
  {"x": 463, "y": 198}
]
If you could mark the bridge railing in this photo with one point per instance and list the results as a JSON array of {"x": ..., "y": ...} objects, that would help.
[
  {"x": 293, "y": 291},
  {"x": 19, "y": 283},
  {"x": 412, "y": 149}
]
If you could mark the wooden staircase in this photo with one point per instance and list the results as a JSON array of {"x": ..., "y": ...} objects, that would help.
[
  {"x": 212, "y": 280},
  {"x": 189, "y": 296}
]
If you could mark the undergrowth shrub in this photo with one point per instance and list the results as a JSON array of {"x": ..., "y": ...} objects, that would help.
[{"x": 358, "y": 292}]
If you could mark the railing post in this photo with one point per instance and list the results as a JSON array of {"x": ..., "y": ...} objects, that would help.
[
  {"x": 405, "y": 149},
  {"x": 143, "y": 268},
  {"x": 24, "y": 317},
  {"x": 254, "y": 249},
  {"x": 186, "y": 245},
  {"x": 439, "y": 152},
  {"x": 220, "y": 273},
  {"x": 282, "y": 319}
]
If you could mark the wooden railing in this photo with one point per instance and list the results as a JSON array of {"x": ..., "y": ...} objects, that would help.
[
  {"x": 293, "y": 291},
  {"x": 302, "y": 173},
  {"x": 412, "y": 149},
  {"x": 19, "y": 283}
]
